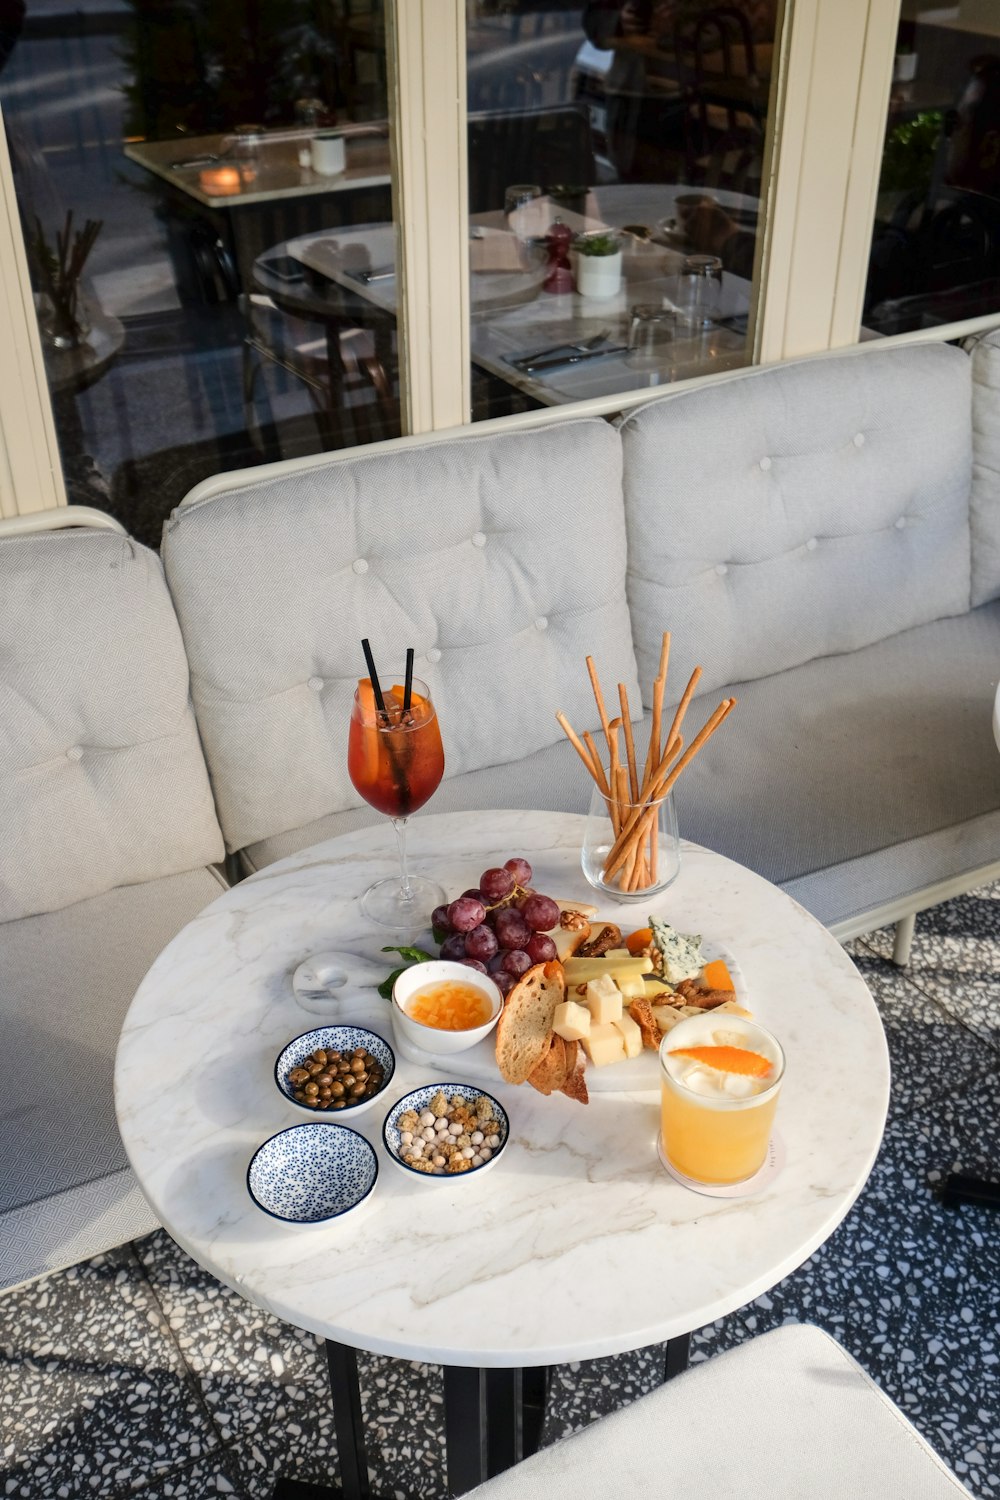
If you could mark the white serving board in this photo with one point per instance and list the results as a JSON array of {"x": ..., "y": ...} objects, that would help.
[{"x": 479, "y": 1063}]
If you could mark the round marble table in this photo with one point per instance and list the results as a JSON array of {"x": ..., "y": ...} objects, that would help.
[{"x": 579, "y": 1244}]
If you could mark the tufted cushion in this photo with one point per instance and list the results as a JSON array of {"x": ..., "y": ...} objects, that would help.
[
  {"x": 102, "y": 780},
  {"x": 500, "y": 559},
  {"x": 798, "y": 511},
  {"x": 984, "y": 509}
]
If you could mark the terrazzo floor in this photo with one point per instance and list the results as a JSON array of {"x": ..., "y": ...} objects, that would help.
[{"x": 138, "y": 1374}]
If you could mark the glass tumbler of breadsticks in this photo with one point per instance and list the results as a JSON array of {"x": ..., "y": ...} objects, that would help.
[{"x": 631, "y": 848}]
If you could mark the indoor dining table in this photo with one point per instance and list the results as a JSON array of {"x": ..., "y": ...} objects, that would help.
[{"x": 578, "y": 1244}]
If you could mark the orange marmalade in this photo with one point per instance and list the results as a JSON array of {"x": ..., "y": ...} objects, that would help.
[{"x": 449, "y": 1006}]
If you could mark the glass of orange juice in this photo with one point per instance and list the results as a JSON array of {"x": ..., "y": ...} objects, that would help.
[{"x": 720, "y": 1076}]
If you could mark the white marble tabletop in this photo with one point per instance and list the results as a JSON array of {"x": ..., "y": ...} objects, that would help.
[{"x": 578, "y": 1244}]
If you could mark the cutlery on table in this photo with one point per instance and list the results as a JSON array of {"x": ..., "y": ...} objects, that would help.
[
  {"x": 538, "y": 365},
  {"x": 377, "y": 273},
  {"x": 521, "y": 361}
]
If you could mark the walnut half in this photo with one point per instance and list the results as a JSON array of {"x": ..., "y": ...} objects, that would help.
[{"x": 573, "y": 921}]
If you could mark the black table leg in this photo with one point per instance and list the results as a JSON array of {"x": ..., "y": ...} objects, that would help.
[
  {"x": 534, "y": 1391},
  {"x": 465, "y": 1427},
  {"x": 676, "y": 1358},
  {"x": 503, "y": 1419}
]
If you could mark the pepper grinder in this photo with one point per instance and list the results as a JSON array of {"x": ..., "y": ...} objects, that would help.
[{"x": 560, "y": 275}]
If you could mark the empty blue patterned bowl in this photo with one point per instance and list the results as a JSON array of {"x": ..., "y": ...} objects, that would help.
[
  {"x": 337, "y": 1039},
  {"x": 310, "y": 1174},
  {"x": 419, "y": 1100}
]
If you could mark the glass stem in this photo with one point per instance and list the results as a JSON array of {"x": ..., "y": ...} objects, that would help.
[{"x": 404, "y": 880}]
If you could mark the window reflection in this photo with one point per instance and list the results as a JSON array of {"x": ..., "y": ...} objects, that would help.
[
  {"x": 645, "y": 118},
  {"x": 935, "y": 255},
  {"x": 171, "y": 170}
]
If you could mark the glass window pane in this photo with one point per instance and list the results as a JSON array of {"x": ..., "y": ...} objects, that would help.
[
  {"x": 616, "y": 156},
  {"x": 935, "y": 252},
  {"x": 182, "y": 173}
]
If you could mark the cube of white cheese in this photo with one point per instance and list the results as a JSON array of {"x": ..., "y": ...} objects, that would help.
[
  {"x": 604, "y": 999},
  {"x": 571, "y": 1021},
  {"x": 630, "y": 1035},
  {"x": 604, "y": 1044}
]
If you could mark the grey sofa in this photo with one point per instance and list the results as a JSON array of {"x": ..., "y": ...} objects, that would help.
[
  {"x": 823, "y": 537},
  {"x": 109, "y": 832}
]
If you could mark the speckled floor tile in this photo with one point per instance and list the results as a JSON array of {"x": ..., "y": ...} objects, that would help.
[
  {"x": 955, "y": 960},
  {"x": 219, "y": 1474},
  {"x": 94, "y": 1397}
]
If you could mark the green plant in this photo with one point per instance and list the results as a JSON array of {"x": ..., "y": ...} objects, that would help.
[
  {"x": 602, "y": 243},
  {"x": 908, "y": 159}
]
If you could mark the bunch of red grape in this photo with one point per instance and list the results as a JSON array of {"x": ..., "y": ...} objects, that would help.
[{"x": 501, "y": 927}]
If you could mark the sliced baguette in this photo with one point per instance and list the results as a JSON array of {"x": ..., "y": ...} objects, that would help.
[
  {"x": 575, "y": 1086},
  {"x": 525, "y": 1025},
  {"x": 550, "y": 1074}
]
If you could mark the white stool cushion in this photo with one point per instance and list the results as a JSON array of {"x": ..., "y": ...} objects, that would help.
[{"x": 787, "y": 1416}]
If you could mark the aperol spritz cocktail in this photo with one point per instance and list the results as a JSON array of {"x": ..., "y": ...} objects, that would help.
[{"x": 396, "y": 760}]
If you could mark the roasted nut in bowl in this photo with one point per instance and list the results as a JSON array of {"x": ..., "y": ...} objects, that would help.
[
  {"x": 312, "y": 1173},
  {"x": 335, "y": 1069},
  {"x": 446, "y": 1132},
  {"x": 459, "y": 1006}
]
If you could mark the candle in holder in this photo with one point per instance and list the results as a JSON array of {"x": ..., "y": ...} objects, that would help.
[{"x": 219, "y": 182}]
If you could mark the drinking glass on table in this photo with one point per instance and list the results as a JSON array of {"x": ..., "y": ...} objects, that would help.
[
  {"x": 522, "y": 210},
  {"x": 395, "y": 759},
  {"x": 699, "y": 291},
  {"x": 720, "y": 1076}
]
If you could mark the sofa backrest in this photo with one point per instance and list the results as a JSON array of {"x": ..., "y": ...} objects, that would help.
[
  {"x": 102, "y": 779},
  {"x": 798, "y": 511},
  {"x": 984, "y": 508},
  {"x": 499, "y": 558}
]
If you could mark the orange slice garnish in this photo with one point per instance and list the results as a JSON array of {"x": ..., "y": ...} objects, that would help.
[
  {"x": 715, "y": 976},
  {"x": 727, "y": 1059}
]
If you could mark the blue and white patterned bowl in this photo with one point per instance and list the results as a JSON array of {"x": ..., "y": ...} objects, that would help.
[
  {"x": 310, "y": 1174},
  {"x": 338, "y": 1039},
  {"x": 419, "y": 1099}
]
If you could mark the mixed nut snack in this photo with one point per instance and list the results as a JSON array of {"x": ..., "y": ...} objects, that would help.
[
  {"x": 327, "y": 1079},
  {"x": 450, "y": 1135}
]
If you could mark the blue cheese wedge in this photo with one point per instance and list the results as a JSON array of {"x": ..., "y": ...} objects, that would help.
[{"x": 680, "y": 952}]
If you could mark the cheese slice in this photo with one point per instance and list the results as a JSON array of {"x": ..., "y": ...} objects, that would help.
[
  {"x": 579, "y": 970},
  {"x": 567, "y": 940},
  {"x": 632, "y": 986},
  {"x": 604, "y": 999},
  {"x": 571, "y": 1021},
  {"x": 604, "y": 1045},
  {"x": 666, "y": 1016},
  {"x": 630, "y": 1035},
  {"x": 653, "y": 987}
]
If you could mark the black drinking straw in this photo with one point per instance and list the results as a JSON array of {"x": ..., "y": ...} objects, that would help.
[
  {"x": 408, "y": 686},
  {"x": 376, "y": 687}
]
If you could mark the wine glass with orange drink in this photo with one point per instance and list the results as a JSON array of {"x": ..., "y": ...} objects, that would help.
[{"x": 395, "y": 759}]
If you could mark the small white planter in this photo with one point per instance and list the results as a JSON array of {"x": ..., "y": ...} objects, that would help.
[
  {"x": 598, "y": 276},
  {"x": 904, "y": 68}
]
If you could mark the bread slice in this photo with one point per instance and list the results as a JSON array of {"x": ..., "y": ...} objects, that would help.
[
  {"x": 550, "y": 1074},
  {"x": 575, "y": 1086},
  {"x": 525, "y": 1025}
]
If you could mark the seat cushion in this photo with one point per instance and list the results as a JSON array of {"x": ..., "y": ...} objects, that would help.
[
  {"x": 500, "y": 558},
  {"x": 102, "y": 779},
  {"x": 66, "y": 981},
  {"x": 798, "y": 511},
  {"x": 786, "y": 1416},
  {"x": 849, "y": 781}
]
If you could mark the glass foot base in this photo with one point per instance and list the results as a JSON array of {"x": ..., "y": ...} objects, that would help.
[{"x": 383, "y": 902}]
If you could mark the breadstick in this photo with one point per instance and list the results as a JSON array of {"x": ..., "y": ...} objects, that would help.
[
  {"x": 662, "y": 785},
  {"x": 633, "y": 778},
  {"x": 578, "y": 746},
  {"x": 599, "y": 699}
]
